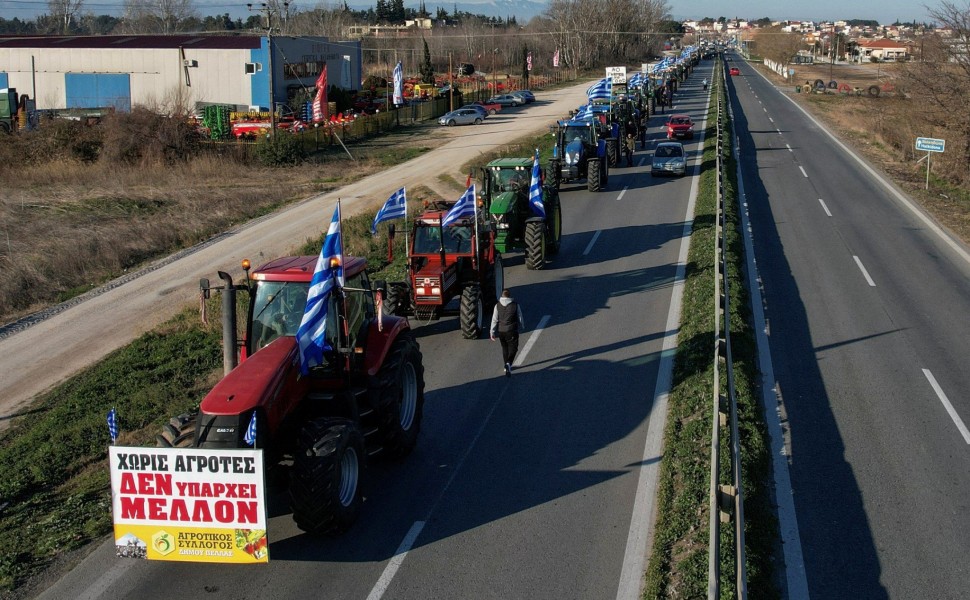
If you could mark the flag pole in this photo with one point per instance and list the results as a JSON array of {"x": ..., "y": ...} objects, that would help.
[{"x": 475, "y": 202}]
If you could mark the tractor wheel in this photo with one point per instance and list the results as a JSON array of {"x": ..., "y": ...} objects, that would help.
[
  {"x": 555, "y": 173},
  {"x": 494, "y": 284},
  {"x": 471, "y": 312},
  {"x": 399, "y": 389},
  {"x": 593, "y": 173},
  {"x": 611, "y": 153},
  {"x": 325, "y": 477},
  {"x": 398, "y": 299},
  {"x": 553, "y": 224},
  {"x": 605, "y": 176},
  {"x": 535, "y": 245},
  {"x": 179, "y": 432}
]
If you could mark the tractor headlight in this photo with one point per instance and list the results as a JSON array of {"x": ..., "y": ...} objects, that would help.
[{"x": 572, "y": 159}]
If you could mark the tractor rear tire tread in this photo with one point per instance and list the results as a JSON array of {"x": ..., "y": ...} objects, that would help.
[
  {"x": 179, "y": 432},
  {"x": 535, "y": 245},
  {"x": 388, "y": 392},
  {"x": 471, "y": 312},
  {"x": 315, "y": 478},
  {"x": 593, "y": 182}
]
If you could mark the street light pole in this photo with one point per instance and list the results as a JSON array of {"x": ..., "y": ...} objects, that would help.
[{"x": 266, "y": 10}]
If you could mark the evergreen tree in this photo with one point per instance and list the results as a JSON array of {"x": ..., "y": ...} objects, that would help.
[
  {"x": 382, "y": 11},
  {"x": 396, "y": 10},
  {"x": 427, "y": 70}
]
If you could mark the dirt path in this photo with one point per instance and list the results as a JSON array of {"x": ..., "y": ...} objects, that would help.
[{"x": 43, "y": 354}]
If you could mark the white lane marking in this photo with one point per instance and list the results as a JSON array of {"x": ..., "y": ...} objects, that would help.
[
  {"x": 864, "y": 272},
  {"x": 623, "y": 191},
  {"x": 802, "y": 169},
  {"x": 789, "y": 148},
  {"x": 779, "y": 131},
  {"x": 99, "y": 589},
  {"x": 770, "y": 119},
  {"x": 794, "y": 561},
  {"x": 395, "y": 563},
  {"x": 532, "y": 340},
  {"x": 589, "y": 246},
  {"x": 825, "y": 208},
  {"x": 946, "y": 404},
  {"x": 764, "y": 109},
  {"x": 644, "y": 505}
]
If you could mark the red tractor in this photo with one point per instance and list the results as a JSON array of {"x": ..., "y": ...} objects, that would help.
[
  {"x": 445, "y": 264},
  {"x": 366, "y": 398}
]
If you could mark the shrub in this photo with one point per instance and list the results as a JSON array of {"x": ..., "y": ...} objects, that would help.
[{"x": 281, "y": 150}]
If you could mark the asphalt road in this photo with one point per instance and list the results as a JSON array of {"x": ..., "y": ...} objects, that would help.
[
  {"x": 540, "y": 485},
  {"x": 866, "y": 303}
]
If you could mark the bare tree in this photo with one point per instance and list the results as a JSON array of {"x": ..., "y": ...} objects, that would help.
[
  {"x": 940, "y": 82},
  {"x": 65, "y": 11},
  {"x": 156, "y": 16},
  {"x": 779, "y": 45}
]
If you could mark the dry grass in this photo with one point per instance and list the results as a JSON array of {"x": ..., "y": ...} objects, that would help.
[{"x": 67, "y": 225}]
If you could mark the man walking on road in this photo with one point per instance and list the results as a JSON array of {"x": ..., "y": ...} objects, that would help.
[{"x": 506, "y": 323}]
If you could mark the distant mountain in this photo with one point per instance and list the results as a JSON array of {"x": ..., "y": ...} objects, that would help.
[{"x": 522, "y": 10}]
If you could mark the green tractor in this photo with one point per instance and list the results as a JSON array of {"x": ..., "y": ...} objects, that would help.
[{"x": 505, "y": 194}]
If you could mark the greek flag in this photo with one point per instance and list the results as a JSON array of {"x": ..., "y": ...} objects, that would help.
[
  {"x": 535, "y": 189},
  {"x": 635, "y": 80},
  {"x": 113, "y": 425},
  {"x": 250, "y": 437},
  {"x": 465, "y": 207},
  {"x": 585, "y": 111},
  {"x": 398, "y": 84},
  {"x": 601, "y": 89},
  {"x": 329, "y": 272},
  {"x": 396, "y": 207}
]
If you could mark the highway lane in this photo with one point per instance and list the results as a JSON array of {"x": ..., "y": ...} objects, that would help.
[
  {"x": 521, "y": 487},
  {"x": 866, "y": 305}
]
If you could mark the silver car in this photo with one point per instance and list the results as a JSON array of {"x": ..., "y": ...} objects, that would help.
[
  {"x": 462, "y": 116},
  {"x": 507, "y": 100},
  {"x": 669, "y": 158}
]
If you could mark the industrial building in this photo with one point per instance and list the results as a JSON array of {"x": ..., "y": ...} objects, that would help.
[{"x": 164, "y": 71}]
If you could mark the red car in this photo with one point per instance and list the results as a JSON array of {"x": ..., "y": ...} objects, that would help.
[
  {"x": 680, "y": 127},
  {"x": 490, "y": 107},
  {"x": 735, "y": 71}
]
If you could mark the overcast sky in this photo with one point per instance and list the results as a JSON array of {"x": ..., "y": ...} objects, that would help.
[{"x": 884, "y": 11}]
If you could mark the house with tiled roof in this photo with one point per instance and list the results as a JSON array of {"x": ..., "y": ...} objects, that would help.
[{"x": 882, "y": 49}]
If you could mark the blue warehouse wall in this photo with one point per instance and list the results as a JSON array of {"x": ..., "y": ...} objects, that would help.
[
  {"x": 97, "y": 90},
  {"x": 259, "y": 81},
  {"x": 3, "y": 81}
]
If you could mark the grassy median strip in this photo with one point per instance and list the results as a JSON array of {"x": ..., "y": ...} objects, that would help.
[{"x": 678, "y": 561}]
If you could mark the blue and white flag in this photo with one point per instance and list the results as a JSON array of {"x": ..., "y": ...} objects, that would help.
[
  {"x": 600, "y": 90},
  {"x": 535, "y": 189},
  {"x": 329, "y": 272},
  {"x": 585, "y": 111},
  {"x": 396, "y": 207},
  {"x": 113, "y": 425},
  {"x": 250, "y": 437},
  {"x": 399, "y": 84},
  {"x": 464, "y": 208}
]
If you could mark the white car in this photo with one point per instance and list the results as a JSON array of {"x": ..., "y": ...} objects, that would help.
[{"x": 669, "y": 158}]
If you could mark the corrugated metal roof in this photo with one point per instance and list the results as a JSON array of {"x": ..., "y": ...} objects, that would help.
[{"x": 216, "y": 42}]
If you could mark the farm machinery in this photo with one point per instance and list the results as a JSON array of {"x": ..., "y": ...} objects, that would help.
[
  {"x": 365, "y": 399},
  {"x": 580, "y": 153},
  {"x": 505, "y": 192},
  {"x": 448, "y": 263}
]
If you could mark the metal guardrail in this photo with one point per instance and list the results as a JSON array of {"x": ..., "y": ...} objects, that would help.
[{"x": 726, "y": 499}]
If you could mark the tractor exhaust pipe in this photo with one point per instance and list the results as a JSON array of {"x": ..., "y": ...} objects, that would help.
[{"x": 229, "y": 339}]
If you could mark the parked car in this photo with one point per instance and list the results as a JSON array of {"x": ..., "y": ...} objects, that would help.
[
  {"x": 680, "y": 126},
  {"x": 491, "y": 107},
  {"x": 506, "y": 100},
  {"x": 481, "y": 109},
  {"x": 669, "y": 158},
  {"x": 735, "y": 71},
  {"x": 526, "y": 95},
  {"x": 462, "y": 116}
]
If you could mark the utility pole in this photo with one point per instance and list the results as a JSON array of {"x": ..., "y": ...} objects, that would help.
[{"x": 265, "y": 8}]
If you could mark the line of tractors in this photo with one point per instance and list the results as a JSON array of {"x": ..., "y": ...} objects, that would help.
[{"x": 366, "y": 399}]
